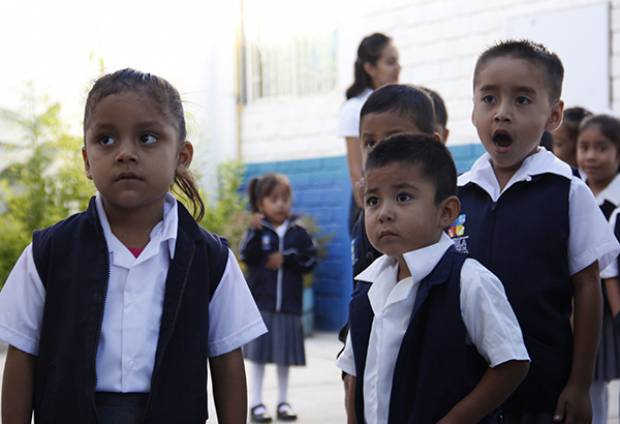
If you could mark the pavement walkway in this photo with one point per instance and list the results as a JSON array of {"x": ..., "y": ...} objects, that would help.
[{"x": 316, "y": 391}]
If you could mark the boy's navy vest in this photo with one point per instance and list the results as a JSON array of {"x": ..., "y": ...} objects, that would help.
[
  {"x": 523, "y": 239},
  {"x": 72, "y": 260},
  {"x": 436, "y": 366}
]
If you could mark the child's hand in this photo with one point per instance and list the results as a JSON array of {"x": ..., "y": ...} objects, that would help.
[
  {"x": 573, "y": 405},
  {"x": 274, "y": 261},
  {"x": 255, "y": 220}
]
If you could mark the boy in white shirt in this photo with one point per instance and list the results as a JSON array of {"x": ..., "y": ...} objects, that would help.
[{"x": 433, "y": 337}]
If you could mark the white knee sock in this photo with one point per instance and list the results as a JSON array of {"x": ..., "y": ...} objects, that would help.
[
  {"x": 256, "y": 383},
  {"x": 282, "y": 383},
  {"x": 598, "y": 397}
]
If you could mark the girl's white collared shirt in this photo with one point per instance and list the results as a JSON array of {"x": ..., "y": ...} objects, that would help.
[{"x": 133, "y": 308}]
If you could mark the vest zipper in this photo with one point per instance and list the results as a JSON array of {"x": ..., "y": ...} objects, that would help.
[
  {"x": 174, "y": 323},
  {"x": 106, "y": 255},
  {"x": 279, "y": 277},
  {"x": 492, "y": 233}
]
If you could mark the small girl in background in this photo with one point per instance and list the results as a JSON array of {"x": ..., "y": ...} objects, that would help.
[
  {"x": 111, "y": 314},
  {"x": 565, "y": 137},
  {"x": 598, "y": 156},
  {"x": 278, "y": 251}
]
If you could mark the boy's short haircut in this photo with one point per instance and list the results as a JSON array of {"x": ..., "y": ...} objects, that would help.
[
  {"x": 441, "y": 113},
  {"x": 535, "y": 53},
  {"x": 404, "y": 100},
  {"x": 433, "y": 158}
]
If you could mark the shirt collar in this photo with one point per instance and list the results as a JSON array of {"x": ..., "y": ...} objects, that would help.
[
  {"x": 420, "y": 262},
  {"x": 165, "y": 231},
  {"x": 611, "y": 193},
  {"x": 541, "y": 162},
  {"x": 383, "y": 273}
]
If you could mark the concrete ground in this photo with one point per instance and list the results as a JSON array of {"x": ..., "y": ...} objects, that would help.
[{"x": 315, "y": 390}]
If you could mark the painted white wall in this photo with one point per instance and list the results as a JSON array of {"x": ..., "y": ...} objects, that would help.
[{"x": 439, "y": 41}]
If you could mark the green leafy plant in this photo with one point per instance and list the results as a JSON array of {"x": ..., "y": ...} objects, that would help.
[{"x": 42, "y": 180}]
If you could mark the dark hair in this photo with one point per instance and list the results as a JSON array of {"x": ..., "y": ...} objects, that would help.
[
  {"x": 532, "y": 52},
  {"x": 572, "y": 118},
  {"x": 167, "y": 98},
  {"x": 546, "y": 140},
  {"x": 261, "y": 187},
  {"x": 368, "y": 51},
  {"x": 433, "y": 158},
  {"x": 441, "y": 113},
  {"x": 405, "y": 100},
  {"x": 607, "y": 124}
]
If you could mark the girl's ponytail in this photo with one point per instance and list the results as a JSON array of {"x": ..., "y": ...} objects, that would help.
[
  {"x": 185, "y": 182},
  {"x": 253, "y": 195},
  {"x": 368, "y": 51}
]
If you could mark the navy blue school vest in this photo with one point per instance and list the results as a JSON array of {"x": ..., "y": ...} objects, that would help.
[
  {"x": 73, "y": 262},
  {"x": 523, "y": 239},
  {"x": 436, "y": 366}
]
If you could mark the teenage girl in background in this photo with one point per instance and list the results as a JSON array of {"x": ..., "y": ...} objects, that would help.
[
  {"x": 112, "y": 313},
  {"x": 376, "y": 65},
  {"x": 598, "y": 157},
  {"x": 278, "y": 251}
]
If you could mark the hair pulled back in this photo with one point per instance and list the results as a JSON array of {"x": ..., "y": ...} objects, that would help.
[
  {"x": 368, "y": 51},
  {"x": 167, "y": 98}
]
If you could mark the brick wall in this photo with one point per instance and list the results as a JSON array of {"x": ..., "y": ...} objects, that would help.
[
  {"x": 438, "y": 40},
  {"x": 321, "y": 190}
]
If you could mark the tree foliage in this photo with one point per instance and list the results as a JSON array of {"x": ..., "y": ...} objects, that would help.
[{"x": 44, "y": 181}]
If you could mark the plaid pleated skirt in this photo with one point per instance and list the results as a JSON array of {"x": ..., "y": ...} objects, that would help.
[
  {"x": 608, "y": 355},
  {"x": 283, "y": 344}
]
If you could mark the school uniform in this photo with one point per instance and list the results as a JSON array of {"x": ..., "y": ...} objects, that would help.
[
  {"x": 608, "y": 355},
  {"x": 420, "y": 345},
  {"x": 102, "y": 320},
  {"x": 539, "y": 230},
  {"x": 278, "y": 293}
]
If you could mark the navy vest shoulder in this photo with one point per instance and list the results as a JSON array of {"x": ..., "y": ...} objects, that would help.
[{"x": 73, "y": 262}]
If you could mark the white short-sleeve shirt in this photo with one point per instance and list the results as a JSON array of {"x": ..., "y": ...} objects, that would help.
[
  {"x": 488, "y": 317},
  {"x": 611, "y": 271},
  {"x": 590, "y": 238},
  {"x": 349, "y": 122},
  {"x": 133, "y": 308}
]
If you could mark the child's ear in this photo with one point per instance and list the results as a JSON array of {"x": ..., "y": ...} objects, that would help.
[
  {"x": 185, "y": 157},
  {"x": 449, "y": 210},
  {"x": 555, "y": 119},
  {"x": 86, "y": 163},
  {"x": 446, "y": 134}
]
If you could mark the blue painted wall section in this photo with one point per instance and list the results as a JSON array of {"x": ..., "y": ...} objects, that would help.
[{"x": 321, "y": 190}]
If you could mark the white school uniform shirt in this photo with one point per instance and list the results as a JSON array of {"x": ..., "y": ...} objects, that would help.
[
  {"x": 133, "y": 307},
  {"x": 589, "y": 239},
  {"x": 611, "y": 271},
  {"x": 611, "y": 193},
  {"x": 349, "y": 120},
  {"x": 488, "y": 317}
]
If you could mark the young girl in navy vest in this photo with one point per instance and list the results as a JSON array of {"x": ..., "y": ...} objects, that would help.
[
  {"x": 108, "y": 313},
  {"x": 598, "y": 156},
  {"x": 278, "y": 251}
]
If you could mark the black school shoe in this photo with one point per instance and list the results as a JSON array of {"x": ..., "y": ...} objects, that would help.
[
  {"x": 285, "y": 412},
  {"x": 258, "y": 414}
]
